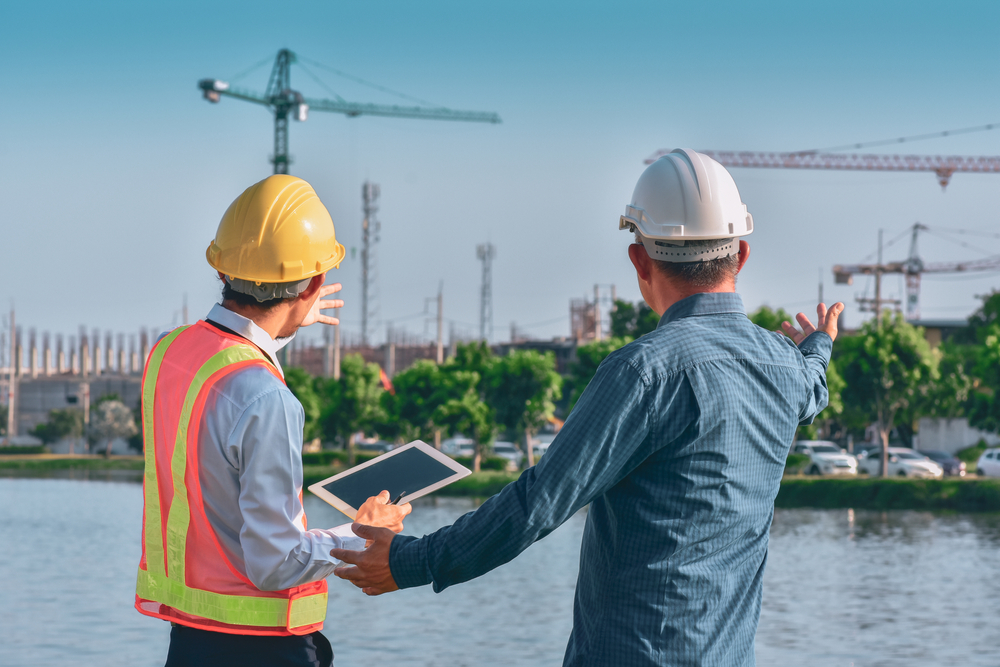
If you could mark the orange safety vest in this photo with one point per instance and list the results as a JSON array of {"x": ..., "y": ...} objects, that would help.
[{"x": 184, "y": 575}]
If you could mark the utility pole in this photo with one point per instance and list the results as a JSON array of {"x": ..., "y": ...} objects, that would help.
[
  {"x": 597, "y": 312},
  {"x": 184, "y": 310},
  {"x": 486, "y": 252},
  {"x": 336, "y": 347},
  {"x": 370, "y": 228},
  {"x": 876, "y": 304},
  {"x": 820, "y": 285},
  {"x": 440, "y": 323},
  {"x": 12, "y": 380}
]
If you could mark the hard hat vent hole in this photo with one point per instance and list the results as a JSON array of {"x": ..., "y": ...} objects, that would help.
[{"x": 730, "y": 228}]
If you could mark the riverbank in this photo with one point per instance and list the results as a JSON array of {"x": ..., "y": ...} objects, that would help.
[{"x": 971, "y": 494}]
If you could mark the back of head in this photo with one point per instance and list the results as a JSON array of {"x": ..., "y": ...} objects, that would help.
[
  {"x": 687, "y": 213},
  {"x": 272, "y": 240}
]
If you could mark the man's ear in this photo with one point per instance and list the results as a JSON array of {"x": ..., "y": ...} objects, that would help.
[
  {"x": 641, "y": 261},
  {"x": 744, "y": 255},
  {"x": 314, "y": 286}
]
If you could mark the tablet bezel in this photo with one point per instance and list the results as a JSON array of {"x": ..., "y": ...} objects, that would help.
[{"x": 459, "y": 470}]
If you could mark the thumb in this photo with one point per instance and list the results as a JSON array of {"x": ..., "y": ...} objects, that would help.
[
  {"x": 367, "y": 532},
  {"x": 383, "y": 498}
]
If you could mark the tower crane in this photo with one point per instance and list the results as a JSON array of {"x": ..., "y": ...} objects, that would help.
[
  {"x": 912, "y": 267},
  {"x": 284, "y": 101}
]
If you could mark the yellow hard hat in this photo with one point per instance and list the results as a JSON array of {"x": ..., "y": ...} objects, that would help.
[{"x": 277, "y": 231}]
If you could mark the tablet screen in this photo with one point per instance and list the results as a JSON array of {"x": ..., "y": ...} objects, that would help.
[{"x": 407, "y": 472}]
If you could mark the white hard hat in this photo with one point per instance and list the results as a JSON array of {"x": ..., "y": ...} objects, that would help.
[{"x": 687, "y": 196}]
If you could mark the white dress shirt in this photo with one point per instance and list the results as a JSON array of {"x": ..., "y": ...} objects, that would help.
[{"x": 250, "y": 455}]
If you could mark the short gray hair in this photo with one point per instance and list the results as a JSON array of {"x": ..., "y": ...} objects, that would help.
[{"x": 702, "y": 274}]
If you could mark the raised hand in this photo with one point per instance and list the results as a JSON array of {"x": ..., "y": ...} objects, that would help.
[
  {"x": 826, "y": 321},
  {"x": 369, "y": 569},
  {"x": 315, "y": 315}
]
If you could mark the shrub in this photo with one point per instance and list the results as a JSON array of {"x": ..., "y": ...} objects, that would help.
[
  {"x": 796, "y": 463},
  {"x": 25, "y": 449},
  {"x": 487, "y": 462}
]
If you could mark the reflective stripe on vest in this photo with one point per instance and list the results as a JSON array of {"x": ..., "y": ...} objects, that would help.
[{"x": 163, "y": 580}]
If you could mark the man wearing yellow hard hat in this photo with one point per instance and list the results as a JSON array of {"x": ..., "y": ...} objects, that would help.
[{"x": 227, "y": 557}]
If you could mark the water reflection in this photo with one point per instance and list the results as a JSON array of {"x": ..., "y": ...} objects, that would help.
[{"x": 841, "y": 588}]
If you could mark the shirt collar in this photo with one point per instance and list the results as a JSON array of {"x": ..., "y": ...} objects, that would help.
[
  {"x": 704, "y": 303},
  {"x": 248, "y": 329}
]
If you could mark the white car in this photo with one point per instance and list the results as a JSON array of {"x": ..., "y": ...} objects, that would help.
[
  {"x": 459, "y": 446},
  {"x": 540, "y": 443},
  {"x": 903, "y": 462},
  {"x": 510, "y": 452},
  {"x": 827, "y": 458},
  {"x": 988, "y": 464}
]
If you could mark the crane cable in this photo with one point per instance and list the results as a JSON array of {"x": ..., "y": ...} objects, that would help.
[
  {"x": 900, "y": 140},
  {"x": 363, "y": 82}
]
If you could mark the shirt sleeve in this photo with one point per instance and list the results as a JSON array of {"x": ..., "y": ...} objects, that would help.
[
  {"x": 816, "y": 351},
  {"x": 600, "y": 443},
  {"x": 278, "y": 552}
]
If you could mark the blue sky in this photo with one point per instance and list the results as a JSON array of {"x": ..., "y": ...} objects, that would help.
[{"x": 115, "y": 172}]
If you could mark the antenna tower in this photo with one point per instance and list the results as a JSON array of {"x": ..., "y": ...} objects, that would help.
[
  {"x": 370, "y": 229},
  {"x": 486, "y": 252}
]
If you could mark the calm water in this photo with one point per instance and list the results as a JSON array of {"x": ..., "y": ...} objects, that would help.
[{"x": 842, "y": 588}]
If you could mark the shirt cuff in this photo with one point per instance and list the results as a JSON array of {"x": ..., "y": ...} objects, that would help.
[
  {"x": 408, "y": 561},
  {"x": 818, "y": 342}
]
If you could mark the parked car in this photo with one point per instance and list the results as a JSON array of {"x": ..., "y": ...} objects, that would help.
[
  {"x": 952, "y": 466},
  {"x": 510, "y": 452},
  {"x": 903, "y": 462},
  {"x": 379, "y": 447},
  {"x": 827, "y": 458},
  {"x": 540, "y": 443},
  {"x": 988, "y": 464},
  {"x": 458, "y": 446}
]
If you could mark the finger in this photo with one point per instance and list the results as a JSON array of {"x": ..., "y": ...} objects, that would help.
[
  {"x": 807, "y": 326},
  {"x": 348, "y": 555},
  {"x": 406, "y": 509},
  {"x": 367, "y": 532},
  {"x": 330, "y": 303},
  {"x": 372, "y": 591},
  {"x": 820, "y": 314},
  {"x": 791, "y": 332},
  {"x": 383, "y": 497},
  {"x": 327, "y": 290},
  {"x": 326, "y": 319}
]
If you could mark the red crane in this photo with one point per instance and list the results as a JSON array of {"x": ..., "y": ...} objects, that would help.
[
  {"x": 912, "y": 267},
  {"x": 942, "y": 165}
]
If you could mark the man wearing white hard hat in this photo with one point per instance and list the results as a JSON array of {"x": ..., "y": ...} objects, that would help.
[{"x": 678, "y": 444}]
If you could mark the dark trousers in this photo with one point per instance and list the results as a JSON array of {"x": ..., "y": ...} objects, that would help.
[{"x": 191, "y": 647}]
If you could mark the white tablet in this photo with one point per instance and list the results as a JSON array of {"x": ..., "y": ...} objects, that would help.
[{"x": 410, "y": 471}]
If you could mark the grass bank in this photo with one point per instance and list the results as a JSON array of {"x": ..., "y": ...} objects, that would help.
[
  {"x": 42, "y": 463},
  {"x": 961, "y": 495}
]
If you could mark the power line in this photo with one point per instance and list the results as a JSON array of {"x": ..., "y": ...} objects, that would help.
[
  {"x": 251, "y": 69},
  {"x": 319, "y": 81}
]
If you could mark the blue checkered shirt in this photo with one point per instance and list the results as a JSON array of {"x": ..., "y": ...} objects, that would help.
[{"x": 678, "y": 444}]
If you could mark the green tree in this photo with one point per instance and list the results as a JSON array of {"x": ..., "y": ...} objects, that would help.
[
  {"x": 472, "y": 417},
  {"x": 767, "y": 318},
  {"x": 304, "y": 387},
  {"x": 3, "y": 420},
  {"x": 632, "y": 320},
  {"x": 522, "y": 387},
  {"x": 588, "y": 358},
  {"x": 111, "y": 419},
  {"x": 352, "y": 404},
  {"x": 421, "y": 391},
  {"x": 889, "y": 369},
  {"x": 984, "y": 401},
  {"x": 66, "y": 423}
]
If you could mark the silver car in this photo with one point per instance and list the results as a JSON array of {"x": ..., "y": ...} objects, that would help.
[{"x": 903, "y": 462}]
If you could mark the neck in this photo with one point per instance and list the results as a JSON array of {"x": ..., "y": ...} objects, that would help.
[
  {"x": 666, "y": 293},
  {"x": 273, "y": 320}
]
